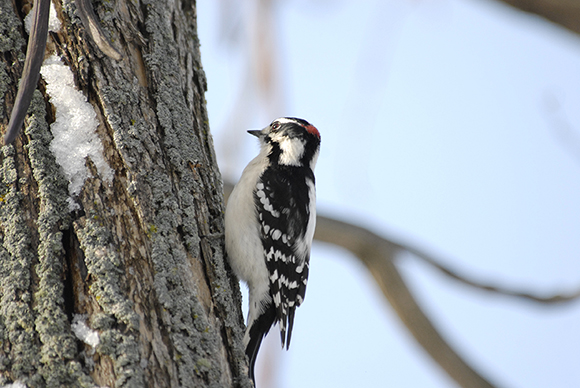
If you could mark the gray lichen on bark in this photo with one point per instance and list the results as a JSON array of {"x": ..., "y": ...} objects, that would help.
[
  {"x": 41, "y": 347},
  {"x": 144, "y": 257},
  {"x": 58, "y": 346}
]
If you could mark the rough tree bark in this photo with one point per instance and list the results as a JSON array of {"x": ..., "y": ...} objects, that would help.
[{"x": 143, "y": 257}]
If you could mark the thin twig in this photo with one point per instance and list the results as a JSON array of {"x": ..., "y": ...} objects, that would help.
[
  {"x": 31, "y": 72},
  {"x": 489, "y": 287},
  {"x": 94, "y": 29}
]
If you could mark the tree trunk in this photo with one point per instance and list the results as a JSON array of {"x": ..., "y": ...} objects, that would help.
[{"x": 141, "y": 256}]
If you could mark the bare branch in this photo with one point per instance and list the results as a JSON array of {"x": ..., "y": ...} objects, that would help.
[
  {"x": 377, "y": 254},
  {"x": 563, "y": 12},
  {"x": 530, "y": 296}
]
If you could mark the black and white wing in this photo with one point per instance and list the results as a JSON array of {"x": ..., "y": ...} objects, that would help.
[{"x": 286, "y": 214}]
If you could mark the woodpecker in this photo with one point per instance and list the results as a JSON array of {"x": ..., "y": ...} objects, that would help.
[{"x": 269, "y": 225}]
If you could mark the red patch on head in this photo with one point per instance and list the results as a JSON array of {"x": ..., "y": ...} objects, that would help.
[{"x": 312, "y": 130}]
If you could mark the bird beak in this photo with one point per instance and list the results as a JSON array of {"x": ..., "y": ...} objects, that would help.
[{"x": 259, "y": 133}]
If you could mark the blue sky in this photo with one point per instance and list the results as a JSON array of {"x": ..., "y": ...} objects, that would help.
[{"x": 452, "y": 125}]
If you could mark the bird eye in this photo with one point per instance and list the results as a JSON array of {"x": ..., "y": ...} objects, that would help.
[{"x": 275, "y": 126}]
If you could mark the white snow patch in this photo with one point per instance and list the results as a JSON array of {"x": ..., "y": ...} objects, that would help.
[
  {"x": 74, "y": 129},
  {"x": 72, "y": 205},
  {"x": 16, "y": 384},
  {"x": 53, "y": 21},
  {"x": 83, "y": 332}
]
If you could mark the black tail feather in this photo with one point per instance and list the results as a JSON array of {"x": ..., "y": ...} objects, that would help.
[
  {"x": 290, "y": 324},
  {"x": 258, "y": 330}
]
